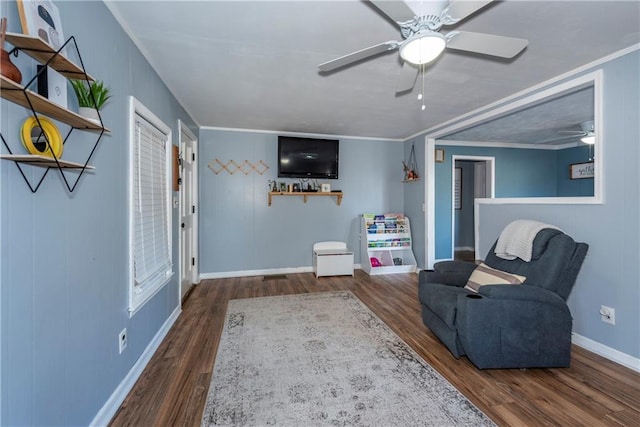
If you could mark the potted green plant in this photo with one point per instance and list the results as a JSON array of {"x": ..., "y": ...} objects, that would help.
[{"x": 87, "y": 94}]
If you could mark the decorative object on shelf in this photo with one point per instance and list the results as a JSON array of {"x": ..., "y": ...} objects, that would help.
[
  {"x": 40, "y": 18},
  {"x": 7, "y": 68},
  {"x": 91, "y": 98},
  {"x": 217, "y": 166},
  {"x": 325, "y": 188},
  {"x": 439, "y": 156},
  {"x": 283, "y": 186},
  {"x": 41, "y": 138},
  {"x": 411, "y": 167}
]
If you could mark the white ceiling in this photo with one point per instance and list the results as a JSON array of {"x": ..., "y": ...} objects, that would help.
[{"x": 254, "y": 65}]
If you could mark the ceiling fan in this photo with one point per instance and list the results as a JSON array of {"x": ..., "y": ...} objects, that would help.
[
  {"x": 422, "y": 40},
  {"x": 586, "y": 133}
]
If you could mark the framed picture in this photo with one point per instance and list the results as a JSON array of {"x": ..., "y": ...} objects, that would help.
[
  {"x": 581, "y": 170},
  {"x": 40, "y": 18},
  {"x": 439, "y": 155},
  {"x": 457, "y": 189},
  {"x": 325, "y": 188}
]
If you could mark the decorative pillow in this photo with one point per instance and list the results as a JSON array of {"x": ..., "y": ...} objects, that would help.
[{"x": 485, "y": 275}]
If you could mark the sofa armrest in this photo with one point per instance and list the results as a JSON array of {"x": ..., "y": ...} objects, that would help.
[
  {"x": 455, "y": 273},
  {"x": 460, "y": 267},
  {"x": 528, "y": 293}
]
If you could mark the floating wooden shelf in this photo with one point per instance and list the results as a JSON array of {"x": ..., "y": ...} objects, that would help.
[
  {"x": 305, "y": 194},
  {"x": 20, "y": 95},
  {"x": 39, "y": 105},
  {"x": 411, "y": 180},
  {"x": 43, "y": 161},
  {"x": 42, "y": 52}
]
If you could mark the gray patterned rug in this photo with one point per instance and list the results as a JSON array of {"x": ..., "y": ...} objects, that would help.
[{"x": 324, "y": 359}]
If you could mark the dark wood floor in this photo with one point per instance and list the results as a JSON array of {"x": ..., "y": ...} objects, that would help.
[{"x": 173, "y": 388}]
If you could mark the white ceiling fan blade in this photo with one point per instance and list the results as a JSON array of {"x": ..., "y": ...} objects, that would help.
[
  {"x": 459, "y": 10},
  {"x": 358, "y": 56},
  {"x": 407, "y": 78},
  {"x": 396, "y": 10},
  {"x": 486, "y": 44}
]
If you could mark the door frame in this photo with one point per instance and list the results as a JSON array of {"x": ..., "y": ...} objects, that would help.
[
  {"x": 490, "y": 191},
  {"x": 195, "y": 279}
]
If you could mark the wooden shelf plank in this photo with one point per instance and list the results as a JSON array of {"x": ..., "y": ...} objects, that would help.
[
  {"x": 42, "y": 52},
  {"x": 305, "y": 194},
  {"x": 43, "y": 161},
  {"x": 18, "y": 94}
]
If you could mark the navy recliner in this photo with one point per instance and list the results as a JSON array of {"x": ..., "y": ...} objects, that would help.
[{"x": 507, "y": 326}]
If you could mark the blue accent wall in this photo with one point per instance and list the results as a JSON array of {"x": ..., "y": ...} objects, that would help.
[
  {"x": 519, "y": 173},
  {"x": 239, "y": 232},
  {"x": 574, "y": 187},
  {"x": 64, "y": 281}
]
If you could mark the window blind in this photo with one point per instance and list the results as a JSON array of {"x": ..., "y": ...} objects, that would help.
[{"x": 152, "y": 253}]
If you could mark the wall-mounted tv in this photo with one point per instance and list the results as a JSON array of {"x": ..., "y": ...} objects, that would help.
[{"x": 307, "y": 157}]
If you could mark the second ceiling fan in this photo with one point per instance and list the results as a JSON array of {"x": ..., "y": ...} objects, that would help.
[{"x": 422, "y": 42}]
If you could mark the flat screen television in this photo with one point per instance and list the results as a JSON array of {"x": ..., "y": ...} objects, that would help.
[{"x": 307, "y": 157}]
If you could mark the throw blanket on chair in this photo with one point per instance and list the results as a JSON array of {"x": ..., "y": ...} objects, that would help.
[{"x": 516, "y": 240}]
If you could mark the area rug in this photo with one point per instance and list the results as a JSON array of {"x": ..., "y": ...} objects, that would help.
[{"x": 324, "y": 359}]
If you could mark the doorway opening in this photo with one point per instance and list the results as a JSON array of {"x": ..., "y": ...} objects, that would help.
[
  {"x": 189, "y": 275},
  {"x": 473, "y": 178}
]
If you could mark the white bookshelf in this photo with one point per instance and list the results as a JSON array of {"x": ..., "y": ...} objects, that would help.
[{"x": 386, "y": 238}]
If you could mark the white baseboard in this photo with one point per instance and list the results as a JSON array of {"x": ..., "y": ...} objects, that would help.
[
  {"x": 606, "y": 352},
  {"x": 265, "y": 272},
  {"x": 111, "y": 406}
]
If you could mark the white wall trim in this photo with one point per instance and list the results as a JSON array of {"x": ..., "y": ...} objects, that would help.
[
  {"x": 606, "y": 352},
  {"x": 591, "y": 65},
  {"x": 302, "y": 134},
  {"x": 265, "y": 272},
  {"x": 516, "y": 145},
  {"x": 111, "y": 406}
]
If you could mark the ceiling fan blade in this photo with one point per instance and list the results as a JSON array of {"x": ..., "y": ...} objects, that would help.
[
  {"x": 486, "y": 44},
  {"x": 396, "y": 10},
  {"x": 572, "y": 132},
  {"x": 407, "y": 78},
  {"x": 358, "y": 56},
  {"x": 459, "y": 10}
]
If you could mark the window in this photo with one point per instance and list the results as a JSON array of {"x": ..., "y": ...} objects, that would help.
[{"x": 150, "y": 209}]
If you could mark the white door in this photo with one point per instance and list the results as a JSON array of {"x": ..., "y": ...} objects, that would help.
[{"x": 188, "y": 212}]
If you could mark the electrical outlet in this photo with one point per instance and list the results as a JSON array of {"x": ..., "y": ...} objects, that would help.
[
  {"x": 608, "y": 314},
  {"x": 122, "y": 340}
]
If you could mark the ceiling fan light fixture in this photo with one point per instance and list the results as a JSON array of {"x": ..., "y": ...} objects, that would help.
[
  {"x": 589, "y": 139},
  {"x": 423, "y": 47}
]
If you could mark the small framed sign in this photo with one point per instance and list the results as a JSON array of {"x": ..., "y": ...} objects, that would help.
[
  {"x": 325, "y": 188},
  {"x": 581, "y": 170},
  {"x": 439, "y": 155}
]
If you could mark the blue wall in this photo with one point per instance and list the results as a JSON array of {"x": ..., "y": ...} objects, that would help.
[
  {"x": 573, "y": 187},
  {"x": 519, "y": 173},
  {"x": 612, "y": 229},
  {"x": 611, "y": 272},
  {"x": 239, "y": 232},
  {"x": 64, "y": 281},
  {"x": 415, "y": 191}
]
